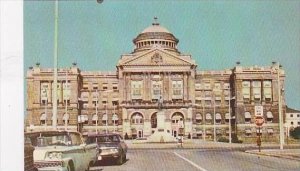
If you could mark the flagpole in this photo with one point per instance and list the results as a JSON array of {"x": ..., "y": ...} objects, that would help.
[{"x": 54, "y": 121}]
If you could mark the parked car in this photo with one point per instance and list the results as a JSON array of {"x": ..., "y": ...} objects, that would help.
[
  {"x": 111, "y": 147},
  {"x": 61, "y": 151}
]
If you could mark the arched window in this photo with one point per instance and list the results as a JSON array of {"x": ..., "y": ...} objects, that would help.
[
  {"x": 154, "y": 120},
  {"x": 137, "y": 118},
  {"x": 208, "y": 118},
  {"x": 66, "y": 118},
  {"x": 95, "y": 118},
  {"x": 198, "y": 118},
  {"x": 218, "y": 118},
  {"x": 115, "y": 119},
  {"x": 177, "y": 118},
  {"x": 43, "y": 119},
  {"x": 227, "y": 117},
  {"x": 104, "y": 119},
  {"x": 269, "y": 116}
]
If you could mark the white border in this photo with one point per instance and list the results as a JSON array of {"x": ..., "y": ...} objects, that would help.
[{"x": 11, "y": 86}]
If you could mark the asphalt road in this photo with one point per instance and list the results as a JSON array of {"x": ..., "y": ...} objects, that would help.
[{"x": 198, "y": 159}]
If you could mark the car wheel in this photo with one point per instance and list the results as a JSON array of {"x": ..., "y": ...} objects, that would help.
[{"x": 120, "y": 160}]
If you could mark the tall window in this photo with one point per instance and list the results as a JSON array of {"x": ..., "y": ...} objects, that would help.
[
  {"x": 154, "y": 120},
  {"x": 136, "y": 89},
  {"x": 156, "y": 89},
  {"x": 267, "y": 91},
  {"x": 66, "y": 90},
  {"x": 45, "y": 93},
  {"x": 246, "y": 91},
  {"x": 256, "y": 90},
  {"x": 177, "y": 89}
]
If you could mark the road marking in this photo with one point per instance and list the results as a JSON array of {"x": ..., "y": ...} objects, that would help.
[{"x": 192, "y": 163}]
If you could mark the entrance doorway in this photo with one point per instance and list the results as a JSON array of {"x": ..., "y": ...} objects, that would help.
[
  {"x": 174, "y": 133},
  {"x": 140, "y": 134}
]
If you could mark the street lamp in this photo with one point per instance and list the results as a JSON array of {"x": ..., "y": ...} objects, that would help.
[
  {"x": 281, "y": 131},
  {"x": 97, "y": 111}
]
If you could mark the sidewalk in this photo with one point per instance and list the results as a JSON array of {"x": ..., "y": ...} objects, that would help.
[{"x": 293, "y": 154}]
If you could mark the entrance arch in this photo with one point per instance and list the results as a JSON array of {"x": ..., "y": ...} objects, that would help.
[{"x": 177, "y": 122}]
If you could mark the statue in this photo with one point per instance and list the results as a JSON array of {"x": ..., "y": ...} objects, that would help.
[{"x": 160, "y": 103}]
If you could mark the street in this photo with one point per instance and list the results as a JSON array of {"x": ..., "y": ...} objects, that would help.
[{"x": 198, "y": 159}]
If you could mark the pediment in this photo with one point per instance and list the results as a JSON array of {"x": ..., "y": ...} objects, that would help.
[{"x": 157, "y": 57}]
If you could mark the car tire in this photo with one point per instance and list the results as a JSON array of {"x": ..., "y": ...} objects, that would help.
[{"x": 120, "y": 160}]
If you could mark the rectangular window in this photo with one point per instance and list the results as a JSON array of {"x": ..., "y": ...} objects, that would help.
[
  {"x": 85, "y": 86},
  {"x": 246, "y": 91},
  {"x": 156, "y": 89},
  {"x": 95, "y": 86},
  {"x": 177, "y": 87},
  {"x": 207, "y": 102},
  {"x": 136, "y": 89},
  {"x": 226, "y": 86},
  {"x": 115, "y": 87},
  {"x": 198, "y": 86},
  {"x": 207, "y": 86},
  {"x": 45, "y": 92},
  {"x": 217, "y": 86},
  {"x": 66, "y": 90},
  {"x": 218, "y": 102}
]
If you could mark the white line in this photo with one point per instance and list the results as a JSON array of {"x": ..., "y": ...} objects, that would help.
[{"x": 192, "y": 163}]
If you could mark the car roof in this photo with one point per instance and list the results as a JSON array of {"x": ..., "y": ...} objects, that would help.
[
  {"x": 101, "y": 134},
  {"x": 51, "y": 132}
]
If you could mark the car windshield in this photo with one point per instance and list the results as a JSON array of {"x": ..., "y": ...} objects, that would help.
[
  {"x": 56, "y": 139},
  {"x": 103, "y": 139},
  {"x": 50, "y": 140}
]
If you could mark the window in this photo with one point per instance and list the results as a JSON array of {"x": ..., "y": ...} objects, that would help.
[
  {"x": 177, "y": 89},
  {"x": 115, "y": 103},
  {"x": 267, "y": 89},
  {"x": 45, "y": 93},
  {"x": 207, "y": 102},
  {"x": 208, "y": 117},
  {"x": 247, "y": 117},
  {"x": 95, "y": 86},
  {"x": 291, "y": 115},
  {"x": 104, "y": 103},
  {"x": 292, "y": 123},
  {"x": 198, "y": 86},
  {"x": 226, "y": 85},
  {"x": 115, "y": 87},
  {"x": 269, "y": 117},
  {"x": 207, "y": 93},
  {"x": 207, "y": 86},
  {"x": 85, "y": 86},
  {"x": 136, "y": 89},
  {"x": 85, "y": 96},
  {"x": 154, "y": 120},
  {"x": 298, "y": 123},
  {"x": 218, "y": 118},
  {"x": 83, "y": 119},
  {"x": 177, "y": 119},
  {"x": 85, "y": 105},
  {"x": 217, "y": 86},
  {"x": 227, "y": 117},
  {"x": 218, "y": 102},
  {"x": 298, "y": 115},
  {"x": 248, "y": 132},
  {"x": 95, "y": 119},
  {"x": 66, "y": 118},
  {"x": 43, "y": 119},
  {"x": 115, "y": 119},
  {"x": 198, "y": 118},
  {"x": 156, "y": 89},
  {"x": 104, "y": 119},
  {"x": 256, "y": 90},
  {"x": 246, "y": 91},
  {"x": 137, "y": 118},
  {"x": 270, "y": 131}
]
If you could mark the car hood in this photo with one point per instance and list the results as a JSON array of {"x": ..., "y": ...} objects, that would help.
[
  {"x": 108, "y": 145},
  {"x": 40, "y": 152}
]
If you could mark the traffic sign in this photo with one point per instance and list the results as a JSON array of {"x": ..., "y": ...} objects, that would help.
[
  {"x": 259, "y": 121},
  {"x": 259, "y": 111}
]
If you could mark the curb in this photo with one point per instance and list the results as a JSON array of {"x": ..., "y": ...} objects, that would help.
[{"x": 272, "y": 155}]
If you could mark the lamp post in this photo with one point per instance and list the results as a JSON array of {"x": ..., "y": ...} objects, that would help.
[
  {"x": 281, "y": 133},
  {"x": 204, "y": 117},
  {"x": 54, "y": 117},
  {"x": 46, "y": 106},
  {"x": 214, "y": 96},
  {"x": 66, "y": 101},
  {"x": 97, "y": 112},
  {"x": 114, "y": 119}
]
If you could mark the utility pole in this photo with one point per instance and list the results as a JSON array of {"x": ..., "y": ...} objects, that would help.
[
  {"x": 281, "y": 133},
  {"x": 54, "y": 117},
  {"x": 229, "y": 115}
]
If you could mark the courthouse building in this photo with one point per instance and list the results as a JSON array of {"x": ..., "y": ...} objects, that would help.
[{"x": 156, "y": 72}]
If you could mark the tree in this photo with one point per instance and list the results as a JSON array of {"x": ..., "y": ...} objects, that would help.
[{"x": 295, "y": 133}]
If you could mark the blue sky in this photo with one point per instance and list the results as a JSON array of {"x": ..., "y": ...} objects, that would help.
[{"x": 215, "y": 33}]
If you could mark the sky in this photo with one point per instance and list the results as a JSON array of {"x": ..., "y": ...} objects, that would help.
[{"x": 216, "y": 33}]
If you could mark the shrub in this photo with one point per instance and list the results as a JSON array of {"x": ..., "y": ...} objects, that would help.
[
  {"x": 223, "y": 139},
  {"x": 295, "y": 133}
]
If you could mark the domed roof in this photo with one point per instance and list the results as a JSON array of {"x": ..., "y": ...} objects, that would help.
[{"x": 156, "y": 28}]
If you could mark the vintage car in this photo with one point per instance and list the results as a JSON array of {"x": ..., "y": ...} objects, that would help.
[
  {"x": 62, "y": 151},
  {"x": 111, "y": 146}
]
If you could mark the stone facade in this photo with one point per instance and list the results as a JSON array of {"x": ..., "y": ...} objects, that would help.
[{"x": 127, "y": 100}]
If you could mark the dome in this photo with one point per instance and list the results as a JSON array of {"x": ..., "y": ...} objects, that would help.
[
  {"x": 156, "y": 28},
  {"x": 155, "y": 36}
]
